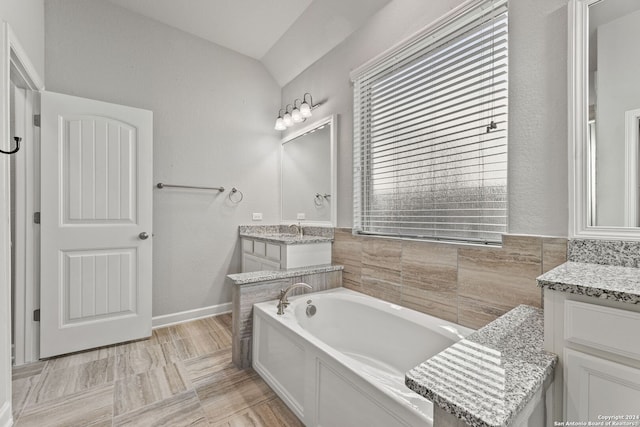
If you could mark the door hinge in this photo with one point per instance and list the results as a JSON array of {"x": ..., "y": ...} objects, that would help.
[
  {"x": 36, "y": 120},
  {"x": 36, "y": 217},
  {"x": 36, "y": 315}
]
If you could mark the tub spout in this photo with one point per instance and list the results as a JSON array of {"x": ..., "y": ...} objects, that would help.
[
  {"x": 283, "y": 302},
  {"x": 297, "y": 228}
]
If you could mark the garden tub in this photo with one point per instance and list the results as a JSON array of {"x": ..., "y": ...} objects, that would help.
[{"x": 339, "y": 357}]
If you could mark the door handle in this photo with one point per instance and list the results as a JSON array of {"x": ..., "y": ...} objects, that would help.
[{"x": 143, "y": 236}]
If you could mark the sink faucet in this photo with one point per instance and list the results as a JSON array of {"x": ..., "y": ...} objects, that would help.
[
  {"x": 298, "y": 229},
  {"x": 284, "y": 302}
]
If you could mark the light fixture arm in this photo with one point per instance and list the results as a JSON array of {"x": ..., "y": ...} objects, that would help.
[{"x": 304, "y": 98}]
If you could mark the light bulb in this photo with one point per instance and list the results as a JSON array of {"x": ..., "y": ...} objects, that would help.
[
  {"x": 280, "y": 124},
  {"x": 305, "y": 110},
  {"x": 296, "y": 115},
  {"x": 288, "y": 120}
]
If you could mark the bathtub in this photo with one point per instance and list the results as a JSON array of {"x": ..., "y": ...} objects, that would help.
[{"x": 345, "y": 365}]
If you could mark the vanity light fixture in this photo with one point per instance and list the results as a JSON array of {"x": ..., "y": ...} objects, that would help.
[
  {"x": 295, "y": 113},
  {"x": 288, "y": 120},
  {"x": 280, "y": 121},
  {"x": 305, "y": 108}
]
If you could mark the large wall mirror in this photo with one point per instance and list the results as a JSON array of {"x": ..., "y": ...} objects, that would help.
[
  {"x": 604, "y": 128},
  {"x": 308, "y": 174}
]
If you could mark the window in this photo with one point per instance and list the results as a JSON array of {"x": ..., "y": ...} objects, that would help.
[{"x": 430, "y": 132}]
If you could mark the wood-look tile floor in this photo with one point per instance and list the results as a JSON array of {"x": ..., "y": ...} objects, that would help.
[{"x": 181, "y": 376}]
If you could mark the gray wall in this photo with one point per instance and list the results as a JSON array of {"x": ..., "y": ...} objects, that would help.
[
  {"x": 26, "y": 18},
  {"x": 97, "y": 50},
  {"x": 213, "y": 126},
  {"x": 538, "y": 201}
]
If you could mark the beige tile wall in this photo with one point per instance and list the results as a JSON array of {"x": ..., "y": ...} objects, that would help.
[
  {"x": 244, "y": 296},
  {"x": 469, "y": 285}
]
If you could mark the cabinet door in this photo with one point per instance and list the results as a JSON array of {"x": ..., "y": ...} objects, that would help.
[
  {"x": 269, "y": 265},
  {"x": 251, "y": 263},
  {"x": 247, "y": 246},
  {"x": 598, "y": 387},
  {"x": 273, "y": 252}
]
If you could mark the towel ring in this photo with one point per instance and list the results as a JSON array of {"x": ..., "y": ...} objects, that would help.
[
  {"x": 17, "y": 139},
  {"x": 320, "y": 198},
  {"x": 234, "y": 191}
]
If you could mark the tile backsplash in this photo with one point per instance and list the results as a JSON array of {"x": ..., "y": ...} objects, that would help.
[
  {"x": 469, "y": 285},
  {"x": 309, "y": 230},
  {"x": 605, "y": 252}
]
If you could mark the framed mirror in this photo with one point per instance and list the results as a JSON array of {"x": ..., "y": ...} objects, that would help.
[
  {"x": 308, "y": 174},
  {"x": 604, "y": 119}
]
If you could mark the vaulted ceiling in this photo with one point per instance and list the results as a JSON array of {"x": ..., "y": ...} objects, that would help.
[{"x": 285, "y": 35}]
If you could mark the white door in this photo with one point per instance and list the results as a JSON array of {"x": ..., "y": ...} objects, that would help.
[{"x": 96, "y": 215}]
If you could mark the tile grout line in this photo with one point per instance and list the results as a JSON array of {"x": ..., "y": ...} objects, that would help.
[
  {"x": 217, "y": 332},
  {"x": 26, "y": 400},
  {"x": 173, "y": 338},
  {"x": 31, "y": 390}
]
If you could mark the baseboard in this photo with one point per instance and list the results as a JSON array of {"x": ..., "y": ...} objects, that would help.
[
  {"x": 6, "y": 418},
  {"x": 186, "y": 316}
]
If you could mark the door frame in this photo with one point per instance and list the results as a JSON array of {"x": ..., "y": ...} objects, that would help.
[
  {"x": 27, "y": 271},
  {"x": 27, "y": 238},
  {"x": 15, "y": 62}
]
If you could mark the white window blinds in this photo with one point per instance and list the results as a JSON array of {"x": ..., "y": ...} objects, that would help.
[{"x": 430, "y": 133}]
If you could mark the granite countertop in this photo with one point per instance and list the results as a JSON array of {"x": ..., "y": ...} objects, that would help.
[
  {"x": 595, "y": 280},
  {"x": 487, "y": 378},
  {"x": 286, "y": 238},
  {"x": 265, "y": 276}
]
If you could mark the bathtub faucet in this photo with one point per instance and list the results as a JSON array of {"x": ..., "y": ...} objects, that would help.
[
  {"x": 283, "y": 301},
  {"x": 297, "y": 229}
]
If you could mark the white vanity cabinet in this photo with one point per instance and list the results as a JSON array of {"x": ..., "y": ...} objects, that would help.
[
  {"x": 598, "y": 342},
  {"x": 259, "y": 254}
]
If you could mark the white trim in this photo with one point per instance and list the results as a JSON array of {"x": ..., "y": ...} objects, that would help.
[
  {"x": 189, "y": 315},
  {"x": 579, "y": 169},
  {"x": 332, "y": 121},
  {"x": 5, "y": 251},
  {"x": 6, "y": 416},
  {"x": 27, "y": 201},
  {"x": 27, "y": 270},
  {"x": 592, "y": 159},
  {"x": 13, "y": 58},
  {"x": 22, "y": 63},
  {"x": 631, "y": 141},
  {"x": 18, "y": 244}
]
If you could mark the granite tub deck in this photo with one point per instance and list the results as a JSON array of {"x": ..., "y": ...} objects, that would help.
[
  {"x": 271, "y": 275},
  {"x": 260, "y": 286},
  {"x": 610, "y": 282},
  {"x": 488, "y": 378}
]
